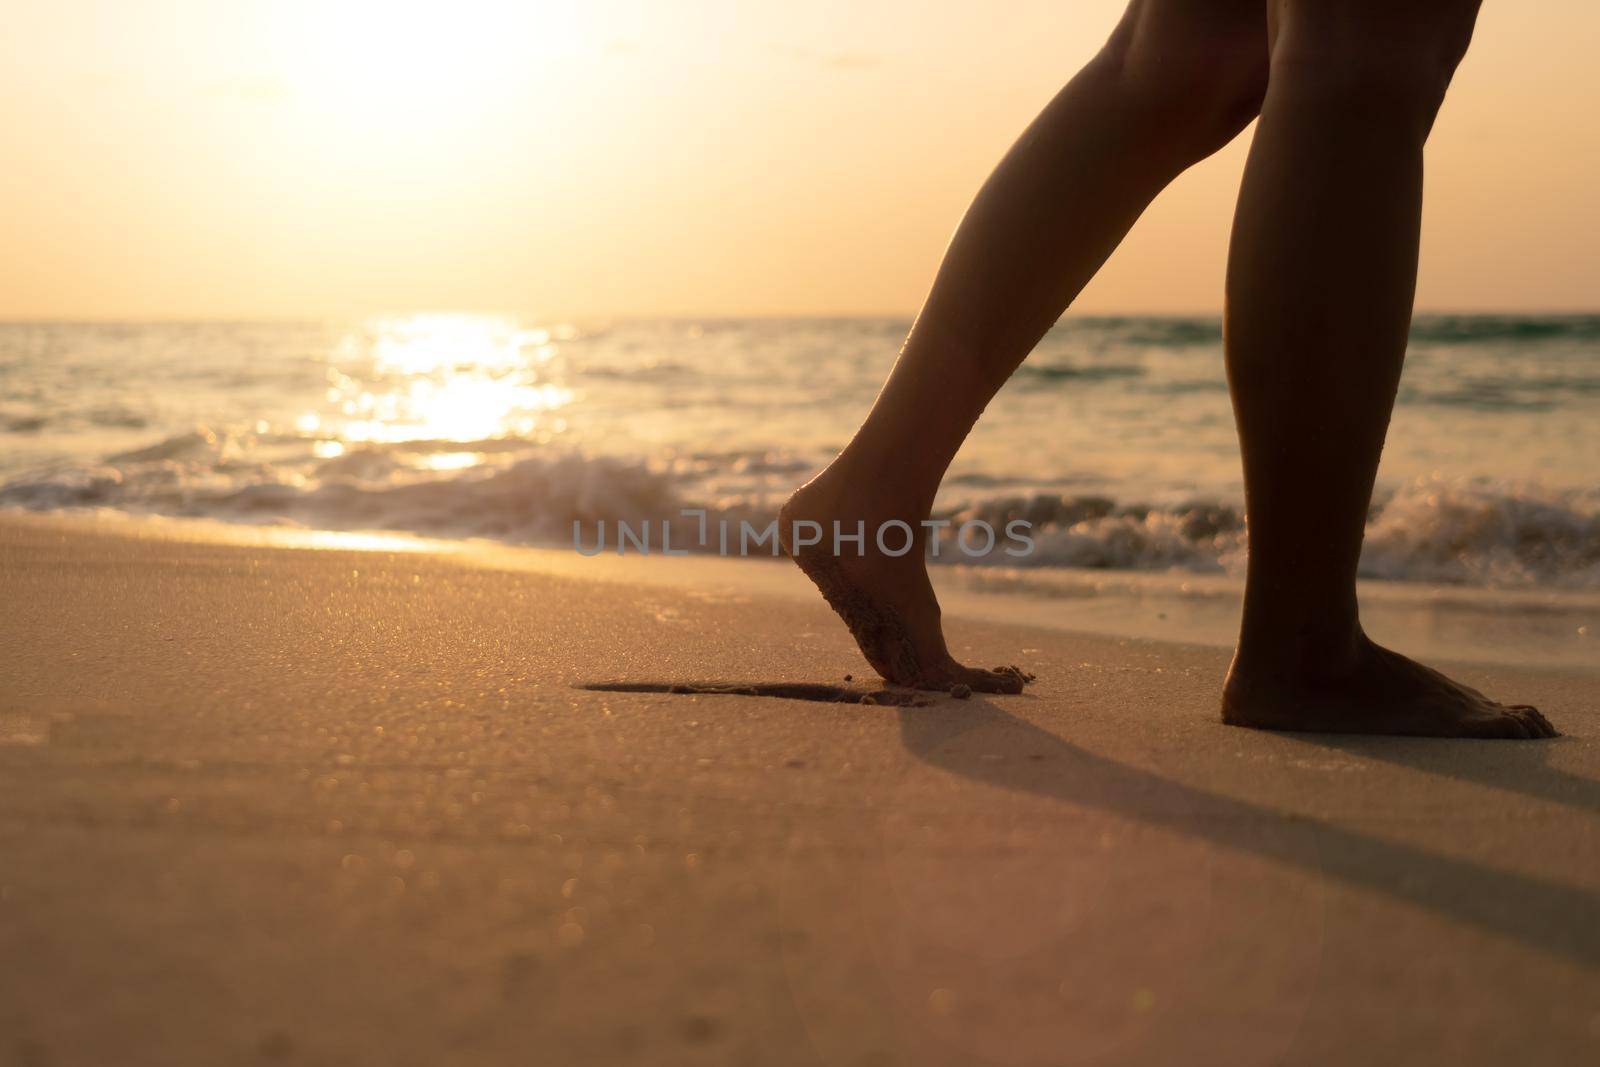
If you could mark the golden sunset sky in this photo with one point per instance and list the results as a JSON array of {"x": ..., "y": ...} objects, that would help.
[{"x": 272, "y": 158}]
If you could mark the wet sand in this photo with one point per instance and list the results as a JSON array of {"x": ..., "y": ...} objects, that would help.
[{"x": 265, "y": 804}]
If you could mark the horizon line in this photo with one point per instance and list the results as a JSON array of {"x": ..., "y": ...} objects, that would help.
[{"x": 688, "y": 317}]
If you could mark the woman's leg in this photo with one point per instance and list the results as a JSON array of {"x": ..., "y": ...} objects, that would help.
[
  {"x": 1320, "y": 283},
  {"x": 1177, "y": 80}
]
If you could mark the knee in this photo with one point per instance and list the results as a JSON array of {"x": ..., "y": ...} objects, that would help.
[
  {"x": 1198, "y": 70},
  {"x": 1373, "y": 58}
]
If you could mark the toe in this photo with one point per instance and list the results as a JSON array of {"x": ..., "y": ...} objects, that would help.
[
  {"x": 1506, "y": 724},
  {"x": 1545, "y": 726},
  {"x": 1536, "y": 725},
  {"x": 983, "y": 681}
]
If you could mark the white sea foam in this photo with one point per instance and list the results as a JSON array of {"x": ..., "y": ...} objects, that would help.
[{"x": 1433, "y": 530}]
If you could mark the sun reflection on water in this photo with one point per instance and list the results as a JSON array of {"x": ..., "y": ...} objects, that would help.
[{"x": 461, "y": 379}]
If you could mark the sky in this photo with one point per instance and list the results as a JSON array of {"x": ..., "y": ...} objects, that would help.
[{"x": 291, "y": 158}]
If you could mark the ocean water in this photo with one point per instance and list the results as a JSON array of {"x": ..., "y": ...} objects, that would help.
[{"x": 1115, "y": 440}]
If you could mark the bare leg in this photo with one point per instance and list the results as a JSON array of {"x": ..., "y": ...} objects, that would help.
[
  {"x": 1320, "y": 285},
  {"x": 1177, "y": 80}
]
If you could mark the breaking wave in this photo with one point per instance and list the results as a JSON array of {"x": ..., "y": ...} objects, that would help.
[{"x": 1466, "y": 532}]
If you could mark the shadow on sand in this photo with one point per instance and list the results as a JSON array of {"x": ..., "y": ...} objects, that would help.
[
  {"x": 1541, "y": 914},
  {"x": 1515, "y": 768}
]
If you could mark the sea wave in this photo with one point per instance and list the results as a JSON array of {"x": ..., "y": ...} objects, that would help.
[
  {"x": 1469, "y": 329},
  {"x": 1056, "y": 372},
  {"x": 531, "y": 500},
  {"x": 1178, "y": 332},
  {"x": 1434, "y": 530}
]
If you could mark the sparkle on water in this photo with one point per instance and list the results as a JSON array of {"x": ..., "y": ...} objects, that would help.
[{"x": 439, "y": 378}]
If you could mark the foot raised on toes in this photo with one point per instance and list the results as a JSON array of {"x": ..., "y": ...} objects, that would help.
[{"x": 887, "y": 601}]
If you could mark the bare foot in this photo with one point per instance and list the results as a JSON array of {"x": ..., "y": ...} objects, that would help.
[
  {"x": 886, "y": 601},
  {"x": 1375, "y": 691}
]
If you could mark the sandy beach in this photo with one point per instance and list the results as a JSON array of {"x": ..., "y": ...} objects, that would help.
[
  {"x": 321, "y": 805},
  {"x": 412, "y": 415}
]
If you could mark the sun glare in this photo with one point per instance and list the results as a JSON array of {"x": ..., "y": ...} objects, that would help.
[
  {"x": 420, "y": 65},
  {"x": 431, "y": 378}
]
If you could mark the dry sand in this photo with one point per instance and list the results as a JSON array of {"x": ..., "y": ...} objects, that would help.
[{"x": 336, "y": 807}]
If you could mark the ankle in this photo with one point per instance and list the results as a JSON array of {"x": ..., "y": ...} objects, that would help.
[
  {"x": 1309, "y": 649},
  {"x": 859, "y": 485}
]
